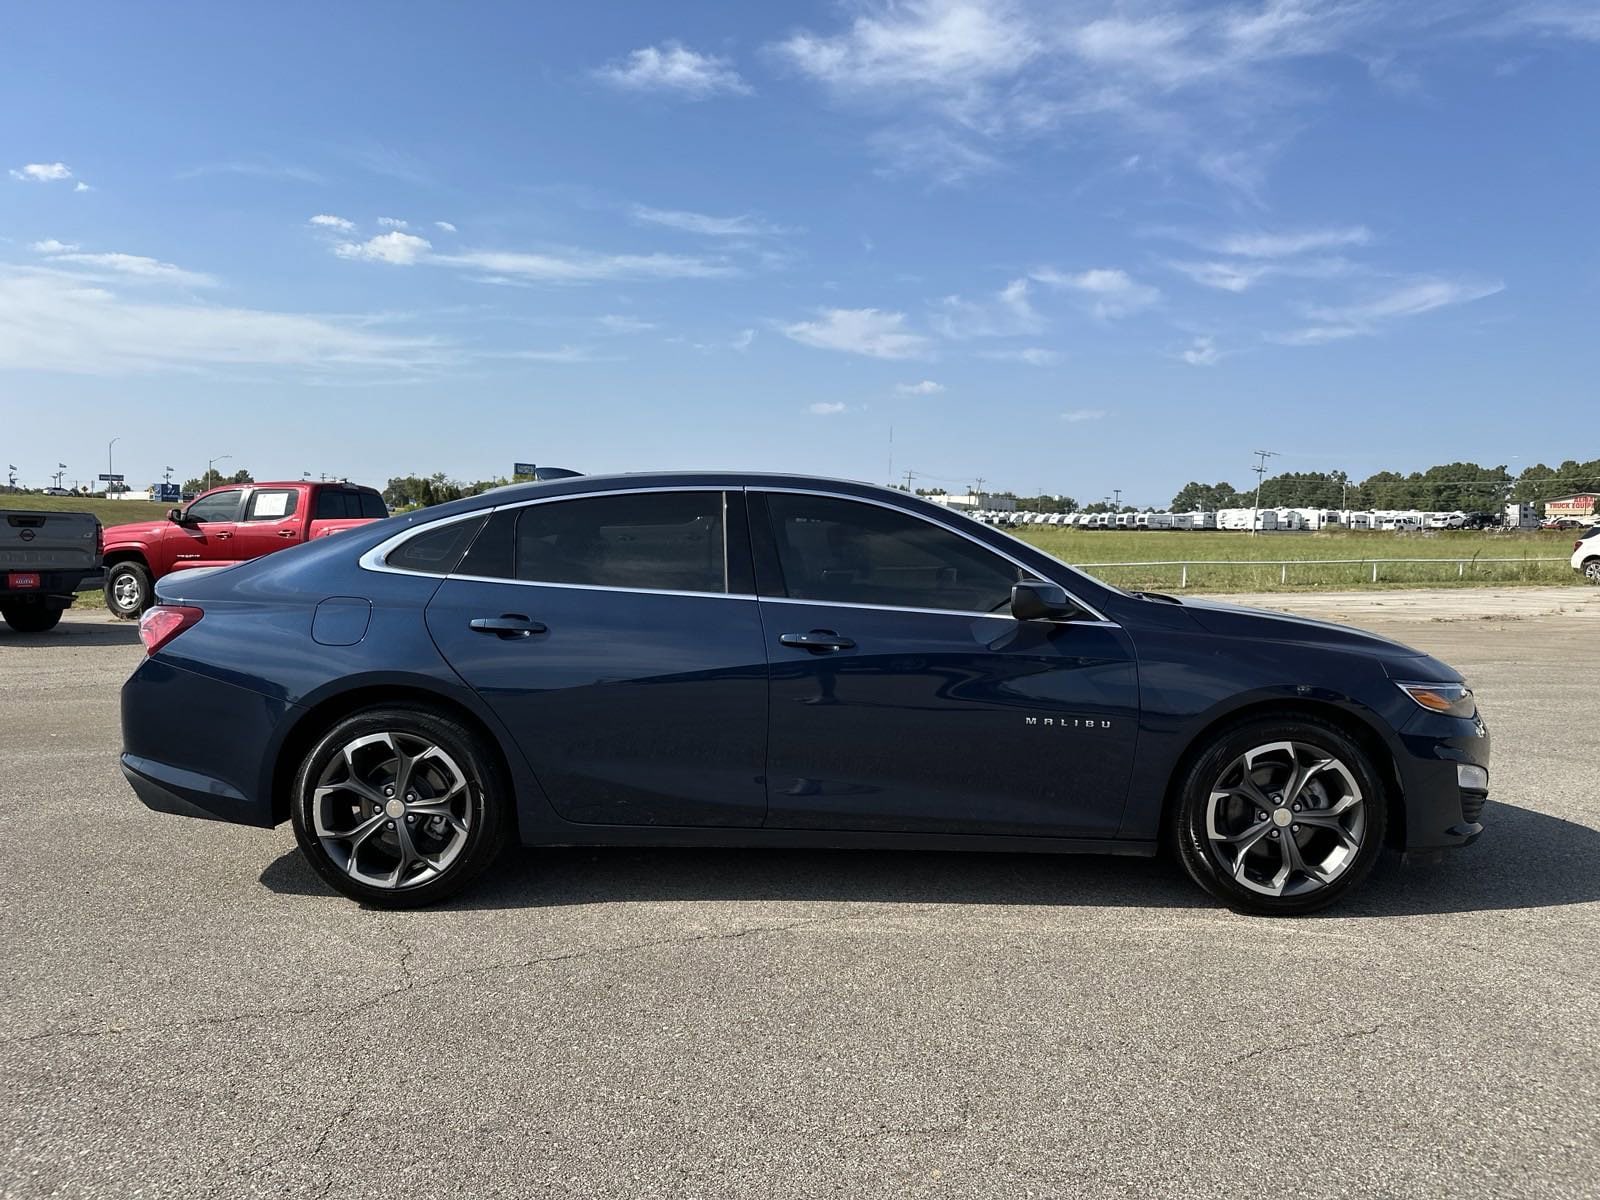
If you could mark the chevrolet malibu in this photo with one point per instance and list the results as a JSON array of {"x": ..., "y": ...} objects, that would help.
[{"x": 731, "y": 660}]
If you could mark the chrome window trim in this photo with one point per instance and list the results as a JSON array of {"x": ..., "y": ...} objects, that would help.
[
  {"x": 372, "y": 560},
  {"x": 1099, "y": 617}
]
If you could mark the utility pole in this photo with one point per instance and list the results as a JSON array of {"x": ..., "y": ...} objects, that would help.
[
  {"x": 110, "y": 470},
  {"x": 910, "y": 475},
  {"x": 1118, "y": 491},
  {"x": 890, "y": 475},
  {"x": 977, "y": 490},
  {"x": 1261, "y": 471}
]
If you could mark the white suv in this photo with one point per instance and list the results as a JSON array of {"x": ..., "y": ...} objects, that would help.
[{"x": 1586, "y": 554}]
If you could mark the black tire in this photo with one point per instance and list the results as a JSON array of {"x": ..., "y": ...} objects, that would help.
[
  {"x": 1591, "y": 570},
  {"x": 132, "y": 581},
  {"x": 1202, "y": 856},
  {"x": 31, "y": 616},
  {"x": 485, "y": 808}
]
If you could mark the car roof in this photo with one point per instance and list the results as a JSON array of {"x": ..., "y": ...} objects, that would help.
[{"x": 623, "y": 480}]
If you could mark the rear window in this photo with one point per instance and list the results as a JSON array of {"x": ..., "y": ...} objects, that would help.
[
  {"x": 435, "y": 551},
  {"x": 348, "y": 504}
]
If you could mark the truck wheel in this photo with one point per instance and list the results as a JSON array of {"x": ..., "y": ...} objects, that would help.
[
  {"x": 31, "y": 616},
  {"x": 128, "y": 590}
]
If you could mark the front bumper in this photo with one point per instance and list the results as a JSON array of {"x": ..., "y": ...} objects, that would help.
[{"x": 1443, "y": 802}]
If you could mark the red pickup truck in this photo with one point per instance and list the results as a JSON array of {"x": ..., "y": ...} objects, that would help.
[{"x": 227, "y": 525}]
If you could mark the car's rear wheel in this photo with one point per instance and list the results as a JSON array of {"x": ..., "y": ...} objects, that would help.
[
  {"x": 1591, "y": 570},
  {"x": 1280, "y": 817},
  {"x": 129, "y": 590},
  {"x": 401, "y": 806},
  {"x": 31, "y": 616}
]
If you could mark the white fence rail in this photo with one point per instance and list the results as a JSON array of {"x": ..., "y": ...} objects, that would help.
[{"x": 1283, "y": 564}]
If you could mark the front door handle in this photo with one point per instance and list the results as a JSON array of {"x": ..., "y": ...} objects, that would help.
[
  {"x": 286, "y": 533},
  {"x": 819, "y": 641},
  {"x": 507, "y": 625}
]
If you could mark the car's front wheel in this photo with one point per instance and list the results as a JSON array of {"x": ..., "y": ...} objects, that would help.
[
  {"x": 1280, "y": 817},
  {"x": 401, "y": 806},
  {"x": 129, "y": 590}
]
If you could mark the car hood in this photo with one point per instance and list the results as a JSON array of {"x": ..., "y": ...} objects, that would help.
[
  {"x": 135, "y": 531},
  {"x": 1235, "y": 620}
]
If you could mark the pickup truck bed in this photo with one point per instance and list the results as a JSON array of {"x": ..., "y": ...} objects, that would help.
[{"x": 44, "y": 559}]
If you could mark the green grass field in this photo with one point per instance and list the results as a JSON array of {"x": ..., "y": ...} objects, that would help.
[{"x": 1464, "y": 551}]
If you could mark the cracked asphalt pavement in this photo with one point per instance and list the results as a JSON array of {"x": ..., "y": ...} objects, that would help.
[{"x": 188, "y": 1011}]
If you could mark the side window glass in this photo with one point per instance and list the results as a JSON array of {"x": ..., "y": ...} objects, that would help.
[
  {"x": 848, "y": 552},
  {"x": 271, "y": 504},
  {"x": 667, "y": 541},
  {"x": 435, "y": 551},
  {"x": 222, "y": 506}
]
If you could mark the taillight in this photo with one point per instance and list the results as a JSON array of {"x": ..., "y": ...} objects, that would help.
[
  {"x": 1577, "y": 543},
  {"x": 99, "y": 541},
  {"x": 161, "y": 624}
]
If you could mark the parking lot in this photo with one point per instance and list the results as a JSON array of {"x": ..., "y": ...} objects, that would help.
[{"x": 190, "y": 1011}]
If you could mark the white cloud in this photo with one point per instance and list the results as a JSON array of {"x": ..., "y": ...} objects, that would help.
[
  {"x": 445, "y": 226},
  {"x": 1334, "y": 323},
  {"x": 562, "y": 354},
  {"x": 1112, "y": 292},
  {"x": 329, "y": 221},
  {"x": 1076, "y": 415},
  {"x": 742, "y": 340},
  {"x": 81, "y": 186},
  {"x": 398, "y": 249},
  {"x": 392, "y": 223},
  {"x": 136, "y": 266},
  {"x": 1225, "y": 276},
  {"x": 1033, "y": 356},
  {"x": 51, "y": 246},
  {"x": 1202, "y": 352},
  {"x": 825, "y": 408},
  {"x": 615, "y": 323},
  {"x": 946, "y": 157},
  {"x": 579, "y": 267},
  {"x": 42, "y": 172},
  {"x": 673, "y": 67},
  {"x": 868, "y": 331},
  {"x": 1286, "y": 245},
  {"x": 926, "y": 387},
  {"x": 701, "y": 223},
  {"x": 50, "y": 322},
  {"x": 1010, "y": 313}
]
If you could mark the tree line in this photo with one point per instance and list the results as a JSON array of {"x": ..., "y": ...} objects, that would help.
[{"x": 1448, "y": 487}]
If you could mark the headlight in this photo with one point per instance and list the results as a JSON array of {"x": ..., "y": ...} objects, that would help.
[{"x": 1451, "y": 699}]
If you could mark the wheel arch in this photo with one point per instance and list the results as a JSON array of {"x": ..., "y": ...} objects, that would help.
[
  {"x": 320, "y": 717},
  {"x": 1358, "y": 729},
  {"x": 122, "y": 554}
]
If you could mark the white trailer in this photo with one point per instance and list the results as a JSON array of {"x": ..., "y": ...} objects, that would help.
[{"x": 1522, "y": 516}]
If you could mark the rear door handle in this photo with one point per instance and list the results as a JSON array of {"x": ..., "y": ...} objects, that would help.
[
  {"x": 819, "y": 641},
  {"x": 507, "y": 625}
]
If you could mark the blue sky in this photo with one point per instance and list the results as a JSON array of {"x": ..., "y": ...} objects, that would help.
[{"x": 1069, "y": 246}]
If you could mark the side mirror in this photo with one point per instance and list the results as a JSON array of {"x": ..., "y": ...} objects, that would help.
[
  {"x": 1039, "y": 601},
  {"x": 175, "y": 515}
]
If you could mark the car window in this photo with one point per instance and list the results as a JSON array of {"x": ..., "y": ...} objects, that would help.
[
  {"x": 271, "y": 504},
  {"x": 372, "y": 506},
  {"x": 335, "y": 504},
  {"x": 848, "y": 552},
  {"x": 219, "y": 506},
  {"x": 664, "y": 541},
  {"x": 435, "y": 551}
]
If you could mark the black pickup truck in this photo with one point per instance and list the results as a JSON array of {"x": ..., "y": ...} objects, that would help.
[{"x": 44, "y": 558}]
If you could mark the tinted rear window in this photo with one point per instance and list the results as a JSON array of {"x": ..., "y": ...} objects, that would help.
[
  {"x": 435, "y": 551},
  {"x": 348, "y": 504}
]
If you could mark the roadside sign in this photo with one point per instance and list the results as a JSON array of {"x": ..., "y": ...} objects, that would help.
[
  {"x": 167, "y": 491},
  {"x": 111, "y": 478},
  {"x": 527, "y": 469}
]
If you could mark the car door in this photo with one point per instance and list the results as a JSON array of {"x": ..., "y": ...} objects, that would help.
[
  {"x": 205, "y": 538},
  {"x": 905, "y": 697},
  {"x": 271, "y": 521},
  {"x": 620, "y": 642}
]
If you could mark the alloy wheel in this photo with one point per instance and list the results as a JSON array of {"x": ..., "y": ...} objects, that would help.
[
  {"x": 1286, "y": 819},
  {"x": 125, "y": 590},
  {"x": 391, "y": 810},
  {"x": 1592, "y": 570}
]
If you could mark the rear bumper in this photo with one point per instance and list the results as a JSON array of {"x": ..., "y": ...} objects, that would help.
[
  {"x": 199, "y": 747},
  {"x": 1443, "y": 808}
]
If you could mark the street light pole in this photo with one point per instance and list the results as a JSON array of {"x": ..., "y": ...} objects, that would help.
[
  {"x": 211, "y": 466},
  {"x": 109, "y": 470}
]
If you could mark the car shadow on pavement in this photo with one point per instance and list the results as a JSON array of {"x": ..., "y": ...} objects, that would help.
[
  {"x": 72, "y": 633},
  {"x": 1525, "y": 860}
]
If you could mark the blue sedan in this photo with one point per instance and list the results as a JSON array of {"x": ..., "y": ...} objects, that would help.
[{"x": 717, "y": 659}]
